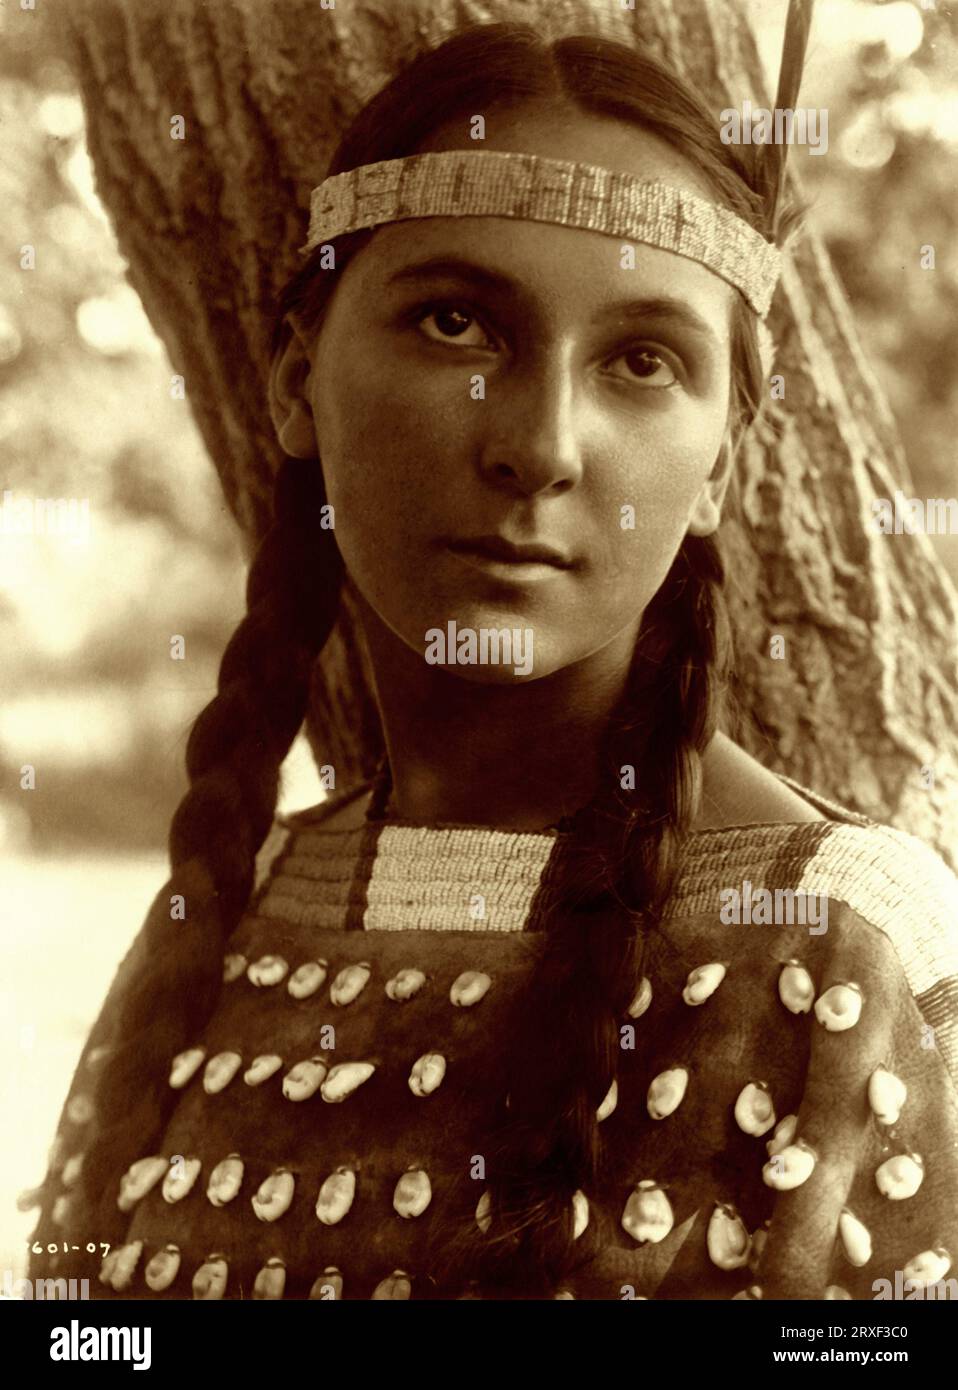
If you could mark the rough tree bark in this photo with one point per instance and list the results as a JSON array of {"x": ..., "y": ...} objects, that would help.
[{"x": 867, "y": 694}]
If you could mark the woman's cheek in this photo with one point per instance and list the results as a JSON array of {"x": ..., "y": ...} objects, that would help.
[
  {"x": 648, "y": 513},
  {"x": 399, "y": 439}
]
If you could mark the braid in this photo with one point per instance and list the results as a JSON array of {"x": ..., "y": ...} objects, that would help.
[
  {"x": 167, "y": 986},
  {"x": 615, "y": 876}
]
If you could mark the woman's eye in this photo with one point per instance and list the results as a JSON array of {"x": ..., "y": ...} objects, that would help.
[
  {"x": 453, "y": 324},
  {"x": 647, "y": 366}
]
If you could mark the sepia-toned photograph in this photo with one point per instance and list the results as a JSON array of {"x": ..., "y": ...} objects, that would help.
[{"x": 479, "y": 716}]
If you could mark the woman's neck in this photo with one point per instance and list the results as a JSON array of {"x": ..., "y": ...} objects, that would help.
[{"x": 517, "y": 755}]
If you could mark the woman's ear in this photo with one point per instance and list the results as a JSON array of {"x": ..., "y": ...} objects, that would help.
[
  {"x": 706, "y": 511},
  {"x": 289, "y": 406}
]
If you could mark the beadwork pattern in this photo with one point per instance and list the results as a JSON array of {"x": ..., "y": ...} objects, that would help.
[{"x": 493, "y": 183}]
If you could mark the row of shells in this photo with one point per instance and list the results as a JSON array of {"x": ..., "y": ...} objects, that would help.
[
  {"x": 648, "y": 1216},
  {"x": 789, "y": 1164},
  {"x": 302, "y": 1081},
  {"x": 211, "y": 1278},
  {"x": 411, "y": 1197},
  {"x": 837, "y": 1008},
  {"x": 467, "y": 989},
  {"x": 273, "y": 1197}
]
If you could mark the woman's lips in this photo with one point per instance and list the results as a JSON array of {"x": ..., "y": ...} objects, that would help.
[{"x": 502, "y": 559}]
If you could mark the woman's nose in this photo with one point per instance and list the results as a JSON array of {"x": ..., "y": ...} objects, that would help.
[{"x": 532, "y": 444}]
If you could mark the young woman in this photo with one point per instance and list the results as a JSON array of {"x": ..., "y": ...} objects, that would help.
[{"x": 577, "y": 999}]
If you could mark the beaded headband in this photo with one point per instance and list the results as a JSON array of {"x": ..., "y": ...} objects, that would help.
[{"x": 488, "y": 183}]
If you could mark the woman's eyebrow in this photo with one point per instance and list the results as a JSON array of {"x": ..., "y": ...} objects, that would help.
[{"x": 664, "y": 308}]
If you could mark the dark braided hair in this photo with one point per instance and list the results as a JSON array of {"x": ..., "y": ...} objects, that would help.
[
  {"x": 618, "y": 867},
  {"x": 622, "y": 860},
  {"x": 168, "y": 984}
]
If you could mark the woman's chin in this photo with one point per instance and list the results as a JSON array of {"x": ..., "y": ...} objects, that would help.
[
  {"x": 491, "y": 648},
  {"x": 493, "y": 675},
  {"x": 499, "y": 653}
]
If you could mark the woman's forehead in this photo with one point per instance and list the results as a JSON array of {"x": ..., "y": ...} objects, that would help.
[{"x": 566, "y": 132}]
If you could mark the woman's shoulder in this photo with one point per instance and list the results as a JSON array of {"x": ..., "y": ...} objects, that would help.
[
  {"x": 738, "y": 790},
  {"x": 803, "y": 840},
  {"x": 794, "y": 838}
]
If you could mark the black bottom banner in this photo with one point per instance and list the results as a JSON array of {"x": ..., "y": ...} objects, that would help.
[{"x": 166, "y": 1336}]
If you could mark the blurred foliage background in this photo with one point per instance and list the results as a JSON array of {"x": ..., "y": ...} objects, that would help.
[
  {"x": 89, "y": 695},
  {"x": 888, "y": 75}
]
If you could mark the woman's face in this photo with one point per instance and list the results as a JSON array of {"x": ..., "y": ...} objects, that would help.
[{"x": 480, "y": 378}]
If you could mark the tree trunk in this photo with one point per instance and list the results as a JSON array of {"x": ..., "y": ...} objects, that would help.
[{"x": 866, "y": 696}]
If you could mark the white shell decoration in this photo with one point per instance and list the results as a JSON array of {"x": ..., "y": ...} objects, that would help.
[
  {"x": 927, "y": 1268},
  {"x": 840, "y": 1007},
  {"x": 139, "y": 1178},
  {"x": 887, "y": 1094},
  {"x": 329, "y": 1286},
  {"x": 796, "y": 988},
  {"x": 427, "y": 1073},
  {"x": 209, "y": 1281},
  {"x": 413, "y": 1193},
  {"x": 404, "y": 985},
  {"x": 270, "y": 1282},
  {"x": 306, "y": 979},
  {"x": 856, "y": 1239},
  {"x": 648, "y": 1216},
  {"x": 397, "y": 1285},
  {"x": 233, "y": 967},
  {"x": 184, "y": 1065},
  {"x": 304, "y": 1080},
  {"x": 350, "y": 982},
  {"x": 790, "y": 1167},
  {"x": 262, "y": 1068},
  {"x": 642, "y": 1000},
  {"x": 345, "y": 1078},
  {"x": 580, "y": 1213},
  {"x": 900, "y": 1176},
  {"x": 754, "y": 1111},
  {"x": 468, "y": 988},
  {"x": 162, "y": 1268},
  {"x": 274, "y": 1195},
  {"x": 609, "y": 1104},
  {"x": 180, "y": 1180},
  {"x": 727, "y": 1239},
  {"x": 702, "y": 982},
  {"x": 336, "y": 1196},
  {"x": 666, "y": 1092},
  {"x": 225, "y": 1181},
  {"x": 220, "y": 1071},
  {"x": 268, "y": 970},
  {"x": 126, "y": 1262},
  {"x": 784, "y": 1133}
]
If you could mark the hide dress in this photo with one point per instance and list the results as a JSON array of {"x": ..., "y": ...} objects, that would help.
[{"x": 784, "y": 1123}]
